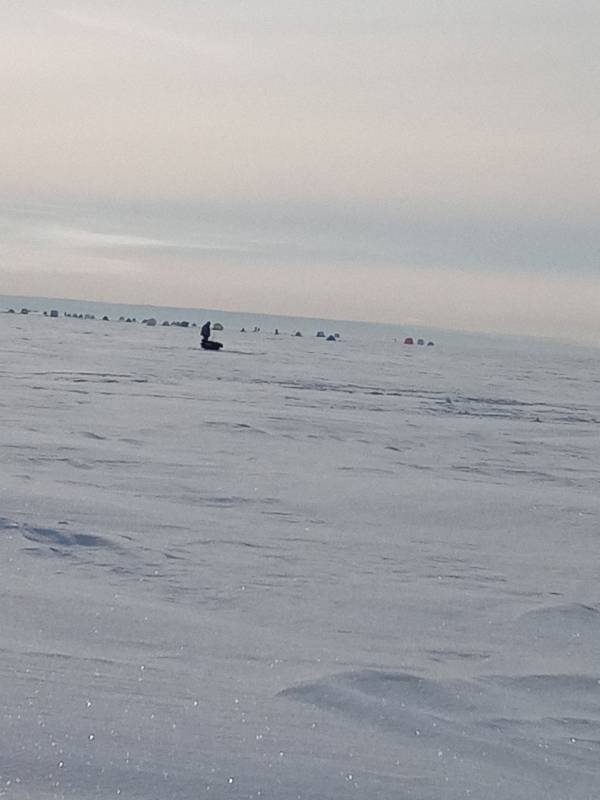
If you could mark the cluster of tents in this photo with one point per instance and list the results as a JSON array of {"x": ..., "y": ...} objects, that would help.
[
  {"x": 207, "y": 343},
  {"x": 410, "y": 340}
]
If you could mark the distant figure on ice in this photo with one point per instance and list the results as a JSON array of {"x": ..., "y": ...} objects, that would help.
[{"x": 206, "y": 343}]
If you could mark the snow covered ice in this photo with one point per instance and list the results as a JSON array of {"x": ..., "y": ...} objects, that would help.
[{"x": 296, "y": 568}]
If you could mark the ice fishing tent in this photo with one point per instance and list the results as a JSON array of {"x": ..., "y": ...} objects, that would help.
[
  {"x": 409, "y": 340},
  {"x": 217, "y": 326}
]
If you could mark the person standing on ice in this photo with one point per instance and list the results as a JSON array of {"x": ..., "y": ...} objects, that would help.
[{"x": 205, "y": 331}]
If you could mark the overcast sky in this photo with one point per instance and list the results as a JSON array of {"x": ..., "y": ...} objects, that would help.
[{"x": 430, "y": 162}]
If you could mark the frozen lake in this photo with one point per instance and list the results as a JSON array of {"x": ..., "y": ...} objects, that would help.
[{"x": 296, "y": 568}]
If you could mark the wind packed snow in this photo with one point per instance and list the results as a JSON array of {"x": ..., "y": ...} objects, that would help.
[{"x": 297, "y": 568}]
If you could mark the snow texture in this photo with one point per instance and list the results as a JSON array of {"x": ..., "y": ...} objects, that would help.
[{"x": 297, "y": 568}]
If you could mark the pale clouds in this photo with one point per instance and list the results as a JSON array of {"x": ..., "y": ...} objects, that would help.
[
  {"x": 210, "y": 48},
  {"x": 432, "y": 138}
]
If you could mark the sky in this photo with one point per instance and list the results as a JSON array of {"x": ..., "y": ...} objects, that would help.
[{"x": 435, "y": 163}]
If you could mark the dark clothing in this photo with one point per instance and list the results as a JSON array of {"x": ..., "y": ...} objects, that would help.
[{"x": 205, "y": 331}]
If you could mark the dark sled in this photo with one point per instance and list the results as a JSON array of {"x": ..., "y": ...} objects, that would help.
[{"x": 208, "y": 345}]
